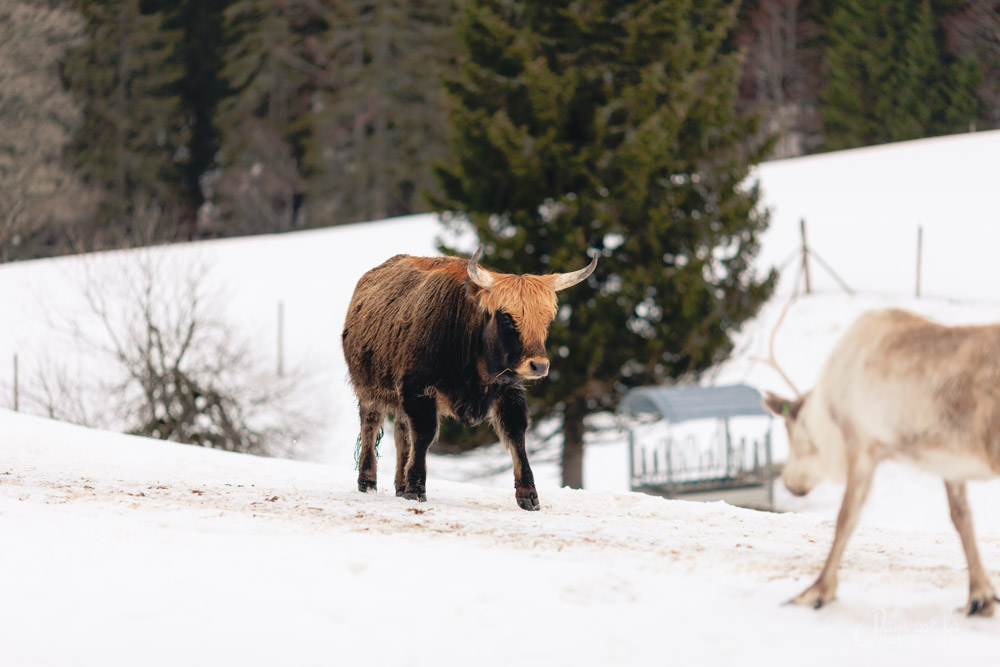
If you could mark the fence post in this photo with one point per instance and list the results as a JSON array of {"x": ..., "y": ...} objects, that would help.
[
  {"x": 805, "y": 256},
  {"x": 281, "y": 338},
  {"x": 17, "y": 397},
  {"x": 920, "y": 254},
  {"x": 631, "y": 459}
]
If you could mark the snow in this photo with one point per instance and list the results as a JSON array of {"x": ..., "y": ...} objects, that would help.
[{"x": 120, "y": 550}]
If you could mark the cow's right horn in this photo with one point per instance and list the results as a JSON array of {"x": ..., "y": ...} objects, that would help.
[
  {"x": 478, "y": 275},
  {"x": 564, "y": 280}
]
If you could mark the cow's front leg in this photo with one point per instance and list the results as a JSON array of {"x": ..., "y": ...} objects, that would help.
[
  {"x": 859, "y": 480},
  {"x": 510, "y": 421},
  {"x": 981, "y": 594},
  {"x": 421, "y": 413}
]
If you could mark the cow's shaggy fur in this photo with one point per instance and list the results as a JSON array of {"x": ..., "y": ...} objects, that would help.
[{"x": 422, "y": 339}]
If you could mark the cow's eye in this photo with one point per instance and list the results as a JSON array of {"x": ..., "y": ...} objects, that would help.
[{"x": 506, "y": 321}]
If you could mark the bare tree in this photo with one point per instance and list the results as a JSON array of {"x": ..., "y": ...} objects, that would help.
[
  {"x": 780, "y": 73},
  {"x": 974, "y": 32},
  {"x": 258, "y": 194},
  {"x": 183, "y": 374},
  {"x": 154, "y": 357},
  {"x": 39, "y": 197}
]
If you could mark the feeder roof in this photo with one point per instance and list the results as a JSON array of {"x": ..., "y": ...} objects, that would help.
[{"x": 680, "y": 404}]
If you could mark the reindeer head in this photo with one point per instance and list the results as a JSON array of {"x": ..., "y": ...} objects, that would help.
[
  {"x": 521, "y": 308},
  {"x": 806, "y": 465}
]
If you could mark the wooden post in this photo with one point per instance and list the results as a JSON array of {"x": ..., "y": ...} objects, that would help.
[
  {"x": 805, "y": 256},
  {"x": 668, "y": 455},
  {"x": 17, "y": 397},
  {"x": 631, "y": 459},
  {"x": 281, "y": 339},
  {"x": 729, "y": 450},
  {"x": 920, "y": 254},
  {"x": 769, "y": 463}
]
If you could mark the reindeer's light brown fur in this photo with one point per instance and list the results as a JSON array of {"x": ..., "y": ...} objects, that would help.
[{"x": 898, "y": 386}]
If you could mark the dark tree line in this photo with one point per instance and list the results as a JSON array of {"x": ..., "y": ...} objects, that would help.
[
  {"x": 833, "y": 74},
  {"x": 228, "y": 117},
  {"x": 231, "y": 117}
]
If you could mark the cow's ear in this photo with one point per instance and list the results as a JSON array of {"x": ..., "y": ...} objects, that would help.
[
  {"x": 472, "y": 290},
  {"x": 782, "y": 407}
]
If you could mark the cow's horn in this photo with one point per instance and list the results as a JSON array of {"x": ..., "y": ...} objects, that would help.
[
  {"x": 564, "y": 280},
  {"x": 478, "y": 275}
]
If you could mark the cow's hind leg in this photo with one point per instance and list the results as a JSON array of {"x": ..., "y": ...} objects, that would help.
[
  {"x": 510, "y": 421},
  {"x": 401, "y": 434},
  {"x": 859, "y": 478},
  {"x": 981, "y": 594},
  {"x": 421, "y": 413},
  {"x": 372, "y": 416}
]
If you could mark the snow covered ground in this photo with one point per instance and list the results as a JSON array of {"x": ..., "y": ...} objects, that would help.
[{"x": 117, "y": 550}]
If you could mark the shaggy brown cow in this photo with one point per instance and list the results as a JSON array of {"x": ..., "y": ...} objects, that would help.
[{"x": 429, "y": 336}]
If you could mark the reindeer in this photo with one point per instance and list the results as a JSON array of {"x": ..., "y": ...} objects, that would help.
[{"x": 898, "y": 386}]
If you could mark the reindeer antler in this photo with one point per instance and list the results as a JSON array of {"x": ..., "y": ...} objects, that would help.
[{"x": 772, "y": 360}]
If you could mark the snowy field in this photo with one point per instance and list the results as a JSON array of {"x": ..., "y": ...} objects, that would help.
[
  {"x": 118, "y": 550},
  {"x": 122, "y": 551}
]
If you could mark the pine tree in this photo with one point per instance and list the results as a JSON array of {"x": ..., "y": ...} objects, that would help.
[
  {"x": 889, "y": 79},
  {"x": 199, "y": 54},
  {"x": 611, "y": 125},
  {"x": 132, "y": 140},
  {"x": 264, "y": 119},
  {"x": 380, "y": 120}
]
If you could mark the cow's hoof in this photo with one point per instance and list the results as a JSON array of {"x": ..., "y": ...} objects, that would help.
[
  {"x": 528, "y": 500},
  {"x": 419, "y": 496},
  {"x": 981, "y": 606},
  {"x": 366, "y": 485}
]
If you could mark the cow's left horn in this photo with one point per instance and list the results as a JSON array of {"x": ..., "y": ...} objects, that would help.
[
  {"x": 564, "y": 280},
  {"x": 478, "y": 275}
]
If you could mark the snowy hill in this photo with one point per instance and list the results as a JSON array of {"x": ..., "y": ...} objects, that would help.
[
  {"x": 135, "y": 551},
  {"x": 118, "y": 551}
]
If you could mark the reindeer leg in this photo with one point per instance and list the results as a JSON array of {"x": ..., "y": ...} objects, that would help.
[
  {"x": 981, "y": 593},
  {"x": 859, "y": 479},
  {"x": 510, "y": 421},
  {"x": 372, "y": 416}
]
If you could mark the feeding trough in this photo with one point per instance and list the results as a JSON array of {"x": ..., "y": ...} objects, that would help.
[{"x": 690, "y": 450}]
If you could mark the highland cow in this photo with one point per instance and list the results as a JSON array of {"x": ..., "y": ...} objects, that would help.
[{"x": 430, "y": 336}]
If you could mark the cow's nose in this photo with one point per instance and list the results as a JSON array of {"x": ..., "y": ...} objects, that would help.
[{"x": 540, "y": 367}]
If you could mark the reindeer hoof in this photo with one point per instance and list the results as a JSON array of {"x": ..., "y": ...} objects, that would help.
[
  {"x": 366, "y": 485},
  {"x": 981, "y": 606},
  {"x": 814, "y": 597},
  {"x": 527, "y": 499}
]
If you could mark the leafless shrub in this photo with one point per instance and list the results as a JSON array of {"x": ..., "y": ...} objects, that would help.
[
  {"x": 154, "y": 357},
  {"x": 184, "y": 375}
]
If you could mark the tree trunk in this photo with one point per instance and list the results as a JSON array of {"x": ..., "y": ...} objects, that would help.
[{"x": 572, "y": 456}]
